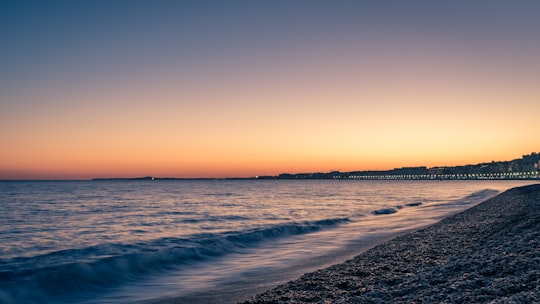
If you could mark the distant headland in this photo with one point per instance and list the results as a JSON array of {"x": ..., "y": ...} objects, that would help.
[{"x": 526, "y": 167}]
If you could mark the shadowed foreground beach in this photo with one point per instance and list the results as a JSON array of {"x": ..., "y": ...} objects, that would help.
[{"x": 487, "y": 254}]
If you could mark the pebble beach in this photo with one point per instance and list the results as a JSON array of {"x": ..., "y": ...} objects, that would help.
[{"x": 489, "y": 253}]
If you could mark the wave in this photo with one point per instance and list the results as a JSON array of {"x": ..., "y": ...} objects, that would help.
[
  {"x": 227, "y": 218},
  {"x": 392, "y": 210},
  {"x": 472, "y": 198},
  {"x": 94, "y": 268},
  {"x": 476, "y": 197},
  {"x": 384, "y": 211}
]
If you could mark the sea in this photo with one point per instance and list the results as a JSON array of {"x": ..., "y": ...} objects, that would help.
[{"x": 201, "y": 241}]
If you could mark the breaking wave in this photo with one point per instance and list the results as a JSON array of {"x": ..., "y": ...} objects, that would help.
[{"x": 108, "y": 265}]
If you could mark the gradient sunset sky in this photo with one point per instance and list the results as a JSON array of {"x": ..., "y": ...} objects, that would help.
[{"x": 244, "y": 88}]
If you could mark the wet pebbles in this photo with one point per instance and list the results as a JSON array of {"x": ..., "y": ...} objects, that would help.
[{"x": 487, "y": 254}]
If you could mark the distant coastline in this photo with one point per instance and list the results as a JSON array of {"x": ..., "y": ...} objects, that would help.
[{"x": 525, "y": 168}]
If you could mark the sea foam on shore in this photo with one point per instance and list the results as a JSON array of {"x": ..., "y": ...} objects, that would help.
[{"x": 489, "y": 253}]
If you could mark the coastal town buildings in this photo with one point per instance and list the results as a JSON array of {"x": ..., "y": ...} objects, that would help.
[{"x": 526, "y": 167}]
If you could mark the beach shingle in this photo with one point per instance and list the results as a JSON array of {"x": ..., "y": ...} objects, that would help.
[{"x": 489, "y": 253}]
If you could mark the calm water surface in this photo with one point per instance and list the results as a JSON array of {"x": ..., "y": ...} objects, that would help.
[{"x": 200, "y": 241}]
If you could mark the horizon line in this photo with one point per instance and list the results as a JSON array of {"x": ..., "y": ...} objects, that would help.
[{"x": 151, "y": 177}]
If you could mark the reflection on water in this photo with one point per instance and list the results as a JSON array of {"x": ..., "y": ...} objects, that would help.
[{"x": 201, "y": 241}]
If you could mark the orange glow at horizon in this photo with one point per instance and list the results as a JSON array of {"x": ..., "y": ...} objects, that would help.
[
  {"x": 213, "y": 97},
  {"x": 227, "y": 136}
]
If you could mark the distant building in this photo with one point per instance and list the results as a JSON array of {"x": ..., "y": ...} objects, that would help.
[
  {"x": 436, "y": 170},
  {"x": 527, "y": 167},
  {"x": 410, "y": 171},
  {"x": 530, "y": 162}
]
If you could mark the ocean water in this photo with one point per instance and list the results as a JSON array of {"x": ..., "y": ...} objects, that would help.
[{"x": 201, "y": 241}]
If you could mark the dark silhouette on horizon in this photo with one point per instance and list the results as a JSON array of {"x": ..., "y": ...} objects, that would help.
[{"x": 527, "y": 167}]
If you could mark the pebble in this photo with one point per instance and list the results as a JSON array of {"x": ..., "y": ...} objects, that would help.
[{"x": 489, "y": 253}]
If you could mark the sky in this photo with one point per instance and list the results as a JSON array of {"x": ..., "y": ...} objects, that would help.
[{"x": 245, "y": 88}]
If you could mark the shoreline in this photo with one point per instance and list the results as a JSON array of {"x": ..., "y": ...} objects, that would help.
[{"x": 487, "y": 253}]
